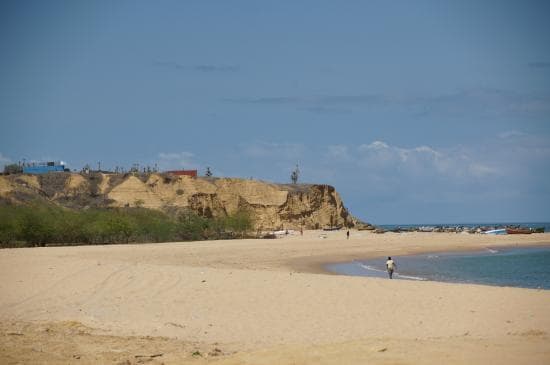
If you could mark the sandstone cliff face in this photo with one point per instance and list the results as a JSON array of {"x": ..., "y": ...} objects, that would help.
[{"x": 274, "y": 206}]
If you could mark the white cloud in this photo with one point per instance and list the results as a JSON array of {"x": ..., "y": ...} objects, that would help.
[
  {"x": 480, "y": 170},
  {"x": 376, "y": 145},
  {"x": 420, "y": 161},
  {"x": 428, "y": 150},
  {"x": 381, "y": 176},
  {"x": 4, "y": 160},
  {"x": 339, "y": 152},
  {"x": 177, "y": 160},
  {"x": 510, "y": 134}
]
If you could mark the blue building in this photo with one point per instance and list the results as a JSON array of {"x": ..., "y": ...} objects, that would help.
[{"x": 44, "y": 167}]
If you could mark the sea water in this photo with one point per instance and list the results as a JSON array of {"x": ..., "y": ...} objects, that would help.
[{"x": 517, "y": 267}]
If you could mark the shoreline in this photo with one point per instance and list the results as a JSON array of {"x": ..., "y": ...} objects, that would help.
[
  {"x": 376, "y": 268},
  {"x": 261, "y": 301},
  {"x": 317, "y": 265}
]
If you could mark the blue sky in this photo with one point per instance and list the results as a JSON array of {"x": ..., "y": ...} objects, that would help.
[{"x": 417, "y": 112}]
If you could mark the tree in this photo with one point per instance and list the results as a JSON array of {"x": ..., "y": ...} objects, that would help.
[
  {"x": 208, "y": 172},
  {"x": 294, "y": 175}
]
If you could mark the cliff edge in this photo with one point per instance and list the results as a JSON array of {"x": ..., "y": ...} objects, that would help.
[{"x": 273, "y": 206}]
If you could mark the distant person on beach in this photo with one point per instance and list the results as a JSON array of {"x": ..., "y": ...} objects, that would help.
[
  {"x": 390, "y": 266},
  {"x": 347, "y": 234}
]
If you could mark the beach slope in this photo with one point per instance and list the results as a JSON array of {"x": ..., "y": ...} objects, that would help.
[{"x": 261, "y": 302}]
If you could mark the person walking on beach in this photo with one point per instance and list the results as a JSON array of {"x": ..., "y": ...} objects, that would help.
[
  {"x": 347, "y": 234},
  {"x": 390, "y": 266}
]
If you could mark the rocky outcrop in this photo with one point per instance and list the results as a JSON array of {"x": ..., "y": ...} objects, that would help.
[{"x": 273, "y": 206}]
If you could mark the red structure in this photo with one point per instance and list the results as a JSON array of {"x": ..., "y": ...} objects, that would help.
[{"x": 192, "y": 173}]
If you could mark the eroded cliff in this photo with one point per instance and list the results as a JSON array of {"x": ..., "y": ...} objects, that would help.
[{"x": 274, "y": 206}]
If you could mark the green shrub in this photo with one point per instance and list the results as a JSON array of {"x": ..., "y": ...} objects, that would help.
[
  {"x": 151, "y": 225},
  {"x": 9, "y": 226},
  {"x": 37, "y": 225},
  {"x": 240, "y": 222},
  {"x": 40, "y": 224},
  {"x": 191, "y": 227}
]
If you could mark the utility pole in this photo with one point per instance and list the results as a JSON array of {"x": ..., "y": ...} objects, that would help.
[{"x": 294, "y": 175}]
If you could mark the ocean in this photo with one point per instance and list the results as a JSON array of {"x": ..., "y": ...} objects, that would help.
[{"x": 516, "y": 267}]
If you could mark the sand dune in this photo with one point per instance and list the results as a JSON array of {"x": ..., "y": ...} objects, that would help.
[{"x": 261, "y": 302}]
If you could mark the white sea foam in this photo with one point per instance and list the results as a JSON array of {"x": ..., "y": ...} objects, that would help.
[
  {"x": 370, "y": 268},
  {"x": 410, "y": 277}
]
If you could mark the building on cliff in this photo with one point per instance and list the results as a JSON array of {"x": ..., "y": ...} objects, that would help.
[
  {"x": 44, "y": 167},
  {"x": 192, "y": 173}
]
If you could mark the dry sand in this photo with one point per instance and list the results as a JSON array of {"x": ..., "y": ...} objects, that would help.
[{"x": 261, "y": 302}]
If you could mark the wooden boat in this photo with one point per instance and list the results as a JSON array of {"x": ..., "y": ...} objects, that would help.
[{"x": 518, "y": 231}]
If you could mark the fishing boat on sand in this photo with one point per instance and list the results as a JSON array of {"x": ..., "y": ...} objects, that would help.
[
  {"x": 519, "y": 230},
  {"x": 496, "y": 231}
]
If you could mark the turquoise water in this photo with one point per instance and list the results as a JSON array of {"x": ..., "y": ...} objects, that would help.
[{"x": 517, "y": 267}]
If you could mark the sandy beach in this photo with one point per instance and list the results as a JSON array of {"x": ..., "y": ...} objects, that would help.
[{"x": 262, "y": 302}]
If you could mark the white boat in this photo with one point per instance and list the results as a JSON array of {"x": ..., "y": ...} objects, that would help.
[
  {"x": 497, "y": 231},
  {"x": 284, "y": 232}
]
